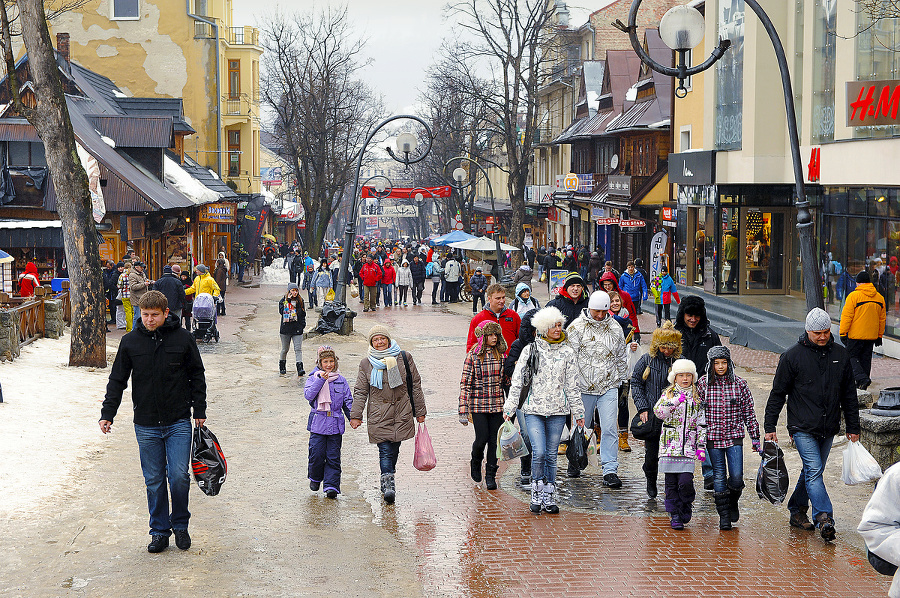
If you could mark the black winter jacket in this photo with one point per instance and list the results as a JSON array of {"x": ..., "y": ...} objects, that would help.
[
  {"x": 166, "y": 371},
  {"x": 418, "y": 272},
  {"x": 526, "y": 337},
  {"x": 570, "y": 309},
  {"x": 696, "y": 342},
  {"x": 172, "y": 287},
  {"x": 818, "y": 383},
  {"x": 297, "y": 326}
]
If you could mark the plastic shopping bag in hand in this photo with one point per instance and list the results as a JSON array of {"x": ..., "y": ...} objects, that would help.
[
  {"x": 576, "y": 450},
  {"x": 859, "y": 465},
  {"x": 424, "y": 459},
  {"x": 207, "y": 461},
  {"x": 510, "y": 443},
  {"x": 772, "y": 479}
]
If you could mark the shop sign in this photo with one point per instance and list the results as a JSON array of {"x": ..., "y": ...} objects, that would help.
[
  {"x": 873, "y": 103},
  {"x": 620, "y": 185},
  {"x": 371, "y": 222},
  {"x": 815, "y": 157},
  {"x": 271, "y": 176},
  {"x": 137, "y": 228},
  {"x": 607, "y": 221},
  {"x": 221, "y": 213},
  {"x": 553, "y": 214},
  {"x": 301, "y": 224},
  {"x": 692, "y": 168},
  {"x": 576, "y": 214},
  {"x": 667, "y": 214},
  {"x": 598, "y": 213},
  {"x": 634, "y": 223},
  {"x": 400, "y": 211},
  {"x": 570, "y": 182}
]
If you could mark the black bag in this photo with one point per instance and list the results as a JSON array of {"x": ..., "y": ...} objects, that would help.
[
  {"x": 772, "y": 479},
  {"x": 576, "y": 449},
  {"x": 881, "y": 565},
  {"x": 332, "y": 319},
  {"x": 645, "y": 431},
  {"x": 207, "y": 461},
  {"x": 528, "y": 375}
]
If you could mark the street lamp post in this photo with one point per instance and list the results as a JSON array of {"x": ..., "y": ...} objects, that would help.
[
  {"x": 406, "y": 144},
  {"x": 420, "y": 204},
  {"x": 459, "y": 176},
  {"x": 681, "y": 29}
]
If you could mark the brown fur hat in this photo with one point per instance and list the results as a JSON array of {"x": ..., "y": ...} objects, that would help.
[
  {"x": 485, "y": 329},
  {"x": 666, "y": 336}
]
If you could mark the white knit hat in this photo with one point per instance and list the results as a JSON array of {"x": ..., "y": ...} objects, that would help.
[
  {"x": 818, "y": 319},
  {"x": 682, "y": 366},
  {"x": 599, "y": 300}
]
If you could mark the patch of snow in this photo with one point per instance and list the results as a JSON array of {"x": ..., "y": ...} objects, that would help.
[
  {"x": 187, "y": 185},
  {"x": 213, "y": 172},
  {"x": 108, "y": 141},
  {"x": 276, "y": 274},
  {"x": 119, "y": 94}
]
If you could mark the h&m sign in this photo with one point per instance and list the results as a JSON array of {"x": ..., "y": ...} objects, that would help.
[{"x": 873, "y": 103}]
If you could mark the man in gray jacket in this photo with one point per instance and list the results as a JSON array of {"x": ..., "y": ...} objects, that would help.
[{"x": 599, "y": 346}]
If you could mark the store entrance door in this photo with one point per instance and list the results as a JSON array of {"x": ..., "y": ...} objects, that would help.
[
  {"x": 696, "y": 245},
  {"x": 765, "y": 245},
  {"x": 216, "y": 242}
]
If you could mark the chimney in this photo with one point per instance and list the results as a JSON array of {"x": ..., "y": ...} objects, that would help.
[{"x": 62, "y": 45}]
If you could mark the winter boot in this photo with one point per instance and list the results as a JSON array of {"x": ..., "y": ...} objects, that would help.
[
  {"x": 475, "y": 467},
  {"x": 652, "y": 491},
  {"x": 548, "y": 498},
  {"x": 490, "y": 477},
  {"x": 300, "y": 370},
  {"x": 387, "y": 488},
  {"x": 623, "y": 441},
  {"x": 525, "y": 475},
  {"x": 733, "y": 503},
  {"x": 676, "y": 521},
  {"x": 722, "y": 508},
  {"x": 826, "y": 526},
  {"x": 281, "y": 367},
  {"x": 537, "y": 492}
]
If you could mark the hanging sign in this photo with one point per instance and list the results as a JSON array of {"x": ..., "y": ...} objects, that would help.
[{"x": 633, "y": 223}]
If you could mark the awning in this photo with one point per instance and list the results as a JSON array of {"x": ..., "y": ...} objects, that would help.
[
  {"x": 31, "y": 233},
  {"x": 11, "y": 129}
]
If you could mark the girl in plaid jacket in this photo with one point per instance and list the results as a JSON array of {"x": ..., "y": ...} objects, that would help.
[
  {"x": 481, "y": 397},
  {"x": 729, "y": 409}
]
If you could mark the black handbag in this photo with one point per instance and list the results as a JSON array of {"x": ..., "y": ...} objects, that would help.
[
  {"x": 528, "y": 375},
  {"x": 645, "y": 430}
]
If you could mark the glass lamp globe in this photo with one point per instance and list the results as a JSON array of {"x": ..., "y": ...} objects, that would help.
[
  {"x": 459, "y": 175},
  {"x": 681, "y": 28},
  {"x": 419, "y": 198},
  {"x": 406, "y": 143},
  {"x": 380, "y": 185}
]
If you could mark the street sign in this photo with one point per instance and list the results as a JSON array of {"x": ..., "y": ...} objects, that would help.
[
  {"x": 633, "y": 223},
  {"x": 570, "y": 183},
  {"x": 301, "y": 224},
  {"x": 457, "y": 223}
]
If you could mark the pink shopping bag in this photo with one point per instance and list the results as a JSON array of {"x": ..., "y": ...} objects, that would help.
[{"x": 424, "y": 459}]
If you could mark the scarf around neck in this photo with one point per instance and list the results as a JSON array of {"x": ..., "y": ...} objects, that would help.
[
  {"x": 323, "y": 401},
  {"x": 385, "y": 361}
]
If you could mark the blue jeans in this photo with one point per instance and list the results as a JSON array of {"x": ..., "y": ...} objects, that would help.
[
  {"x": 165, "y": 452},
  {"x": 608, "y": 407},
  {"x": 387, "y": 456},
  {"x": 544, "y": 432},
  {"x": 728, "y": 467},
  {"x": 388, "y": 294},
  {"x": 810, "y": 485}
]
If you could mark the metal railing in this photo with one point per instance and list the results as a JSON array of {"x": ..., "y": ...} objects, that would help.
[{"x": 243, "y": 36}]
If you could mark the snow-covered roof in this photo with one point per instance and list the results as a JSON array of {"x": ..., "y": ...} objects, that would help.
[{"x": 187, "y": 185}]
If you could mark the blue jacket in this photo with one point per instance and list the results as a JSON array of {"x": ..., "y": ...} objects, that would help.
[{"x": 635, "y": 285}]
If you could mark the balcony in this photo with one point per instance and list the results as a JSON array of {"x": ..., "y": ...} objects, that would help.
[
  {"x": 243, "y": 36},
  {"x": 239, "y": 106}
]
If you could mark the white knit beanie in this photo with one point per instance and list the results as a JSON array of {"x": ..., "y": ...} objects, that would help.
[{"x": 682, "y": 366}]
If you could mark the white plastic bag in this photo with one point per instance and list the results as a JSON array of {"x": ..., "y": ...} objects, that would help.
[
  {"x": 632, "y": 358},
  {"x": 859, "y": 466}
]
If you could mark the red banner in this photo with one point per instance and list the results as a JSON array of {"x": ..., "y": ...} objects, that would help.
[{"x": 408, "y": 192}]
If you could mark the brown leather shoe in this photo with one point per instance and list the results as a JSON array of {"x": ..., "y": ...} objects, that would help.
[{"x": 799, "y": 519}]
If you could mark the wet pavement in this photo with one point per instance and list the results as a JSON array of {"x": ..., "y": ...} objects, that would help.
[{"x": 266, "y": 534}]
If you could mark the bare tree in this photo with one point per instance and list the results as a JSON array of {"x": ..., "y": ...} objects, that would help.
[
  {"x": 322, "y": 110},
  {"x": 50, "y": 118},
  {"x": 512, "y": 38}
]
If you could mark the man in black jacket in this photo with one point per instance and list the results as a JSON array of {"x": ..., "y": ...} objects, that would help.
[
  {"x": 171, "y": 286},
  {"x": 816, "y": 378},
  {"x": 167, "y": 383},
  {"x": 571, "y": 299},
  {"x": 696, "y": 339}
]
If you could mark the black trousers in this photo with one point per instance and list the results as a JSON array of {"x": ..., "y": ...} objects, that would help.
[
  {"x": 624, "y": 420},
  {"x": 476, "y": 297},
  {"x": 435, "y": 287},
  {"x": 860, "y": 358},
  {"x": 660, "y": 308},
  {"x": 486, "y": 427},
  {"x": 651, "y": 457}
]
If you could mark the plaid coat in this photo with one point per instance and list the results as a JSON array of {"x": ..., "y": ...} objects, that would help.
[
  {"x": 729, "y": 407},
  {"x": 481, "y": 387}
]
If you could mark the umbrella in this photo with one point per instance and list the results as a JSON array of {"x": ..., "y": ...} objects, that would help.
[
  {"x": 482, "y": 244},
  {"x": 5, "y": 257},
  {"x": 269, "y": 237},
  {"x": 452, "y": 237}
]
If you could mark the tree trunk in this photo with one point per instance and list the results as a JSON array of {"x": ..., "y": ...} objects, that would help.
[{"x": 51, "y": 120}]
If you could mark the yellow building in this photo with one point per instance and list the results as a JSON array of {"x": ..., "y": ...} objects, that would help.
[{"x": 192, "y": 50}]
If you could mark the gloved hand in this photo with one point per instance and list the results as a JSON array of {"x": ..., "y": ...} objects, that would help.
[
  {"x": 682, "y": 398},
  {"x": 878, "y": 342},
  {"x": 701, "y": 455},
  {"x": 757, "y": 446},
  {"x": 464, "y": 419},
  {"x": 844, "y": 340}
]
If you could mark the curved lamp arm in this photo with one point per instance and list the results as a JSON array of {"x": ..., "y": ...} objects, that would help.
[{"x": 493, "y": 209}]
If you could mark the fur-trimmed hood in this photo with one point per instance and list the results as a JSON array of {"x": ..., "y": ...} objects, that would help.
[
  {"x": 694, "y": 305},
  {"x": 666, "y": 335}
]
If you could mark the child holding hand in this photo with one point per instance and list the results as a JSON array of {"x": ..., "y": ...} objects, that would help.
[
  {"x": 683, "y": 439},
  {"x": 330, "y": 399}
]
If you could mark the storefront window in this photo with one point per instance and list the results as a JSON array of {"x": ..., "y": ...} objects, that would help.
[
  {"x": 763, "y": 248},
  {"x": 731, "y": 250},
  {"x": 730, "y": 77},
  {"x": 824, "y": 44},
  {"x": 877, "y": 59},
  {"x": 681, "y": 248}
]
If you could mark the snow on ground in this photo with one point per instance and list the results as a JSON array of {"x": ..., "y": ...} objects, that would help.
[
  {"x": 276, "y": 274},
  {"x": 48, "y": 417}
]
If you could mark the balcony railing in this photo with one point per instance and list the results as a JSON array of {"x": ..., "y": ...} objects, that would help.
[
  {"x": 243, "y": 36},
  {"x": 238, "y": 105}
]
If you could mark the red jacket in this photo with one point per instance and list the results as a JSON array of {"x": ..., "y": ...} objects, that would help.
[
  {"x": 370, "y": 274},
  {"x": 509, "y": 323},
  {"x": 390, "y": 275},
  {"x": 627, "y": 303}
]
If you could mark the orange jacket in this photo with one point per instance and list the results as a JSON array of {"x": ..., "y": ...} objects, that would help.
[{"x": 863, "y": 316}]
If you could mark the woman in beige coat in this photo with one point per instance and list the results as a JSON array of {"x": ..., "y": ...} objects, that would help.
[{"x": 382, "y": 383}]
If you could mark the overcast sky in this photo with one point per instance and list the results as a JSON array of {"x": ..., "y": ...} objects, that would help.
[{"x": 403, "y": 37}]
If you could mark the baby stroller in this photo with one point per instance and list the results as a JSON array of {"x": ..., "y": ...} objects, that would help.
[{"x": 203, "y": 324}]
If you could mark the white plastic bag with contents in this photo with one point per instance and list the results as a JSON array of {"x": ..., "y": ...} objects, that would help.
[{"x": 859, "y": 465}]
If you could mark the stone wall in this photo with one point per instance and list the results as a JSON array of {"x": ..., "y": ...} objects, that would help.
[
  {"x": 54, "y": 323},
  {"x": 881, "y": 437},
  {"x": 9, "y": 335}
]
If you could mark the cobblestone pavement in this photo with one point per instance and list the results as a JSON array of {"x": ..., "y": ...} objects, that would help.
[{"x": 472, "y": 542}]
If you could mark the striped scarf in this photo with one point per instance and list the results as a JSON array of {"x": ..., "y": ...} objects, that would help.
[{"x": 385, "y": 361}]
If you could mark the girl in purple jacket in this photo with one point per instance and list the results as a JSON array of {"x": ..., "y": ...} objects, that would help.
[{"x": 330, "y": 398}]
